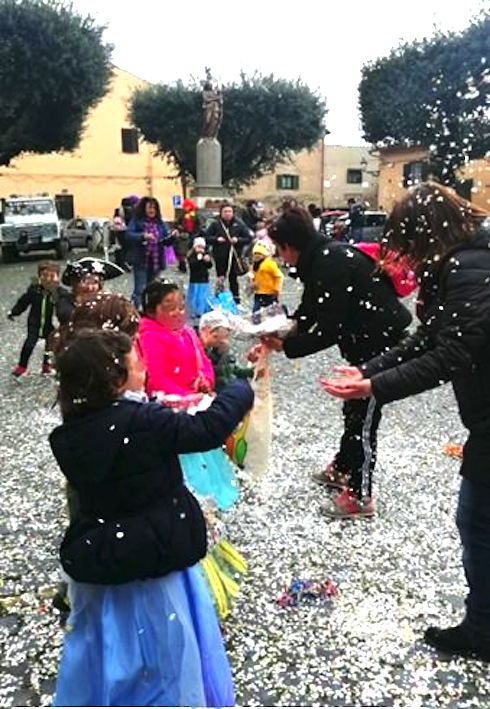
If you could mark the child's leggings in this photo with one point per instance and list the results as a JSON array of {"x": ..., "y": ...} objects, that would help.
[{"x": 28, "y": 348}]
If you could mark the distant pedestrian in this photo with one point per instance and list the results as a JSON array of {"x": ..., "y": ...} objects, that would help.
[
  {"x": 228, "y": 235},
  {"x": 146, "y": 238},
  {"x": 356, "y": 219},
  {"x": 266, "y": 276},
  {"x": 198, "y": 297}
]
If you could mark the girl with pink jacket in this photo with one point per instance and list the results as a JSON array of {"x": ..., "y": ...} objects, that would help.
[{"x": 179, "y": 374}]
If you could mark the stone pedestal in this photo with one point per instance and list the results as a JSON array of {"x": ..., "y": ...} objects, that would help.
[{"x": 208, "y": 172}]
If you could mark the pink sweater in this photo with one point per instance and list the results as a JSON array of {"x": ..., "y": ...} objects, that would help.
[{"x": 173, "y": 358}]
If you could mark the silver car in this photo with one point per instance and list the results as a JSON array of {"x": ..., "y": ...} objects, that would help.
[{"x": 85, "y": 232}]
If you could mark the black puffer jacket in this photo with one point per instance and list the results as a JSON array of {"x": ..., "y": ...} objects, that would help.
[
  {"x": 137, "y": 518},
  {"x": 451, "y": 344},
  {"x": 219, "y": 229},
  {"x": 344, "y": 302}
]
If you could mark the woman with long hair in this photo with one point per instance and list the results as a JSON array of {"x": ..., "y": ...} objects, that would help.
[{"x": 447, "y": 241}]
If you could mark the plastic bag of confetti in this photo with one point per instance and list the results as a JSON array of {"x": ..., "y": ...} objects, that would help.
[
  {"x": 258, "y": 434},
  {"x": 270, "y": 320}
]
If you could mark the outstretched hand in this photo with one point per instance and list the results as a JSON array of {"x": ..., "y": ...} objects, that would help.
[
  {"x": 272, "y": 342},
  {"x": 347, "y": 387},
  {"x": 347, "y": 372}
]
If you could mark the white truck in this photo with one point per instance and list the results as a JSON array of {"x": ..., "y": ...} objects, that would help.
[{"x": 30, "y": 223}]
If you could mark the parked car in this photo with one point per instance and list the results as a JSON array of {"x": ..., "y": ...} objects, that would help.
[
  {"x": 372, "y": 228},
  {"x": 328, "y": 218},
  {"x": 85, "y": 232}
]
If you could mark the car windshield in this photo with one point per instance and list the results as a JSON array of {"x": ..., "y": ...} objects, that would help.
[{"x": 28, "y": 207}]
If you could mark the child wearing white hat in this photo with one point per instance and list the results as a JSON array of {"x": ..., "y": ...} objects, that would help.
[
  {"x": 198, "y": 298},
  {"x": 214, "y": 331}
]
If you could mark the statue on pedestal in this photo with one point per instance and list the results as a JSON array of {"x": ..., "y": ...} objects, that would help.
[{"x": 212, "y": 106}]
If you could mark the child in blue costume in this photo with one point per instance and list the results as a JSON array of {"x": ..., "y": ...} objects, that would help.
[
  {"x": 142, "y": 630},
  {"x": 198, "y": 298}
]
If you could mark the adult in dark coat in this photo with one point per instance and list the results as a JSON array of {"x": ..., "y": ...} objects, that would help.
[
  {"x": 146, "y": 238},
  {"x": 345, "y": 302},
  {"x": 444, "y": 237},
  {"x": 227, "y": 235}
]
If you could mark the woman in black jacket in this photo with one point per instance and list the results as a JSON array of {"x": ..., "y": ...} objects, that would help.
[
  {"x": 445, "y": 239},
  {"x": 345, "y": 302},
  {"x": 227, "y": 235}
]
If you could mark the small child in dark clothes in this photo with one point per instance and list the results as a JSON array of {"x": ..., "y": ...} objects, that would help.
[
  {"x": 198, "y": 292},
  {"x": 41, "y": 298},
  {"x": 214, "y": 331}
]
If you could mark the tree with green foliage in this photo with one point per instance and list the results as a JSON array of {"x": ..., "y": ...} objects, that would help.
[
  {"x": 54, "y": 67},
  {"x": 265, "y": 121},
  {"x": 435, "y": 94}
]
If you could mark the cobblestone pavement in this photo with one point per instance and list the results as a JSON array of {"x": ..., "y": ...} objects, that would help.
[{"x": 396, "y": 573}]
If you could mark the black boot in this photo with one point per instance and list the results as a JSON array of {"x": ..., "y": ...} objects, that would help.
[{"x": 458, "y": 641}]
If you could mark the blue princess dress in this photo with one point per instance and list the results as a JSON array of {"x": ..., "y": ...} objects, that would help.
[
  {"x": 150, "y": 643},
  {"x": 198, "y": 299}
]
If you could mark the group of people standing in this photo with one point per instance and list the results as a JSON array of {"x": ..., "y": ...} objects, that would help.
[{"x": 146, "y": 529}]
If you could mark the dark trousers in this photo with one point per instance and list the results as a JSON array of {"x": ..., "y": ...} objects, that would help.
[
  {"x": 358, "y": 445},
  {"x": 142, "y": 275},
  {"x": 222, "y": 271},
  {"x": 262, "y": 301},
  {"x": 28, "y": 348},
  {"x": 473, "y": 522}
]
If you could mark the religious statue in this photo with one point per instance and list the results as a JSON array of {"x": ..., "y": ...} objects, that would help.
[{"x": 212, "y": 105}]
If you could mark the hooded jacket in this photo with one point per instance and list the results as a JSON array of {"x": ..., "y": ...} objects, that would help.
[
  {"x": 451, "y": 344},
  {"x": 173, "y": 358},
  {"x": 345, "y": 302},
  {"x": 137, "y": 518}
]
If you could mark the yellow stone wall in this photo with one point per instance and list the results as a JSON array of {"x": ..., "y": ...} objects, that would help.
[
  {"x": 337, "y": 159},
  {"x": 98, "y": 173},
  {"x": 391, "y": 176}
]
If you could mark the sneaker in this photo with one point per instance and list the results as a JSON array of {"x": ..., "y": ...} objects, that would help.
[
  {"x": 458, "y": 640},
  {"x": 331, "y": 477},
  {"x": 47, "y": 369},
  {"x": 346, "y": 505},
  {"x": 19, "y": 371},
  {"x": 60, "y": 601}
]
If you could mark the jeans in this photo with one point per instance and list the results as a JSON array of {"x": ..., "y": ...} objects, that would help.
[
  {"x": 142, "y": 275},
  {"x": 473, "y": 522}
]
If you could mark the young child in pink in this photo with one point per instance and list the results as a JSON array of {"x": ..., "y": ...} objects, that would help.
[{"x": 180, "y": 374}]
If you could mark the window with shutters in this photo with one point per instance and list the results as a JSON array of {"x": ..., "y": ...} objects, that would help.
[
  {"x": 129, "y": 140},
  {"x": 354, "y": 177},
  {"x": 414, "y": 172},
  {"x": 287, "y": 182}
]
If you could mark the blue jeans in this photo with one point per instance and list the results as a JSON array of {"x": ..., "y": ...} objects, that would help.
[{"x": 473, "y": 522}]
